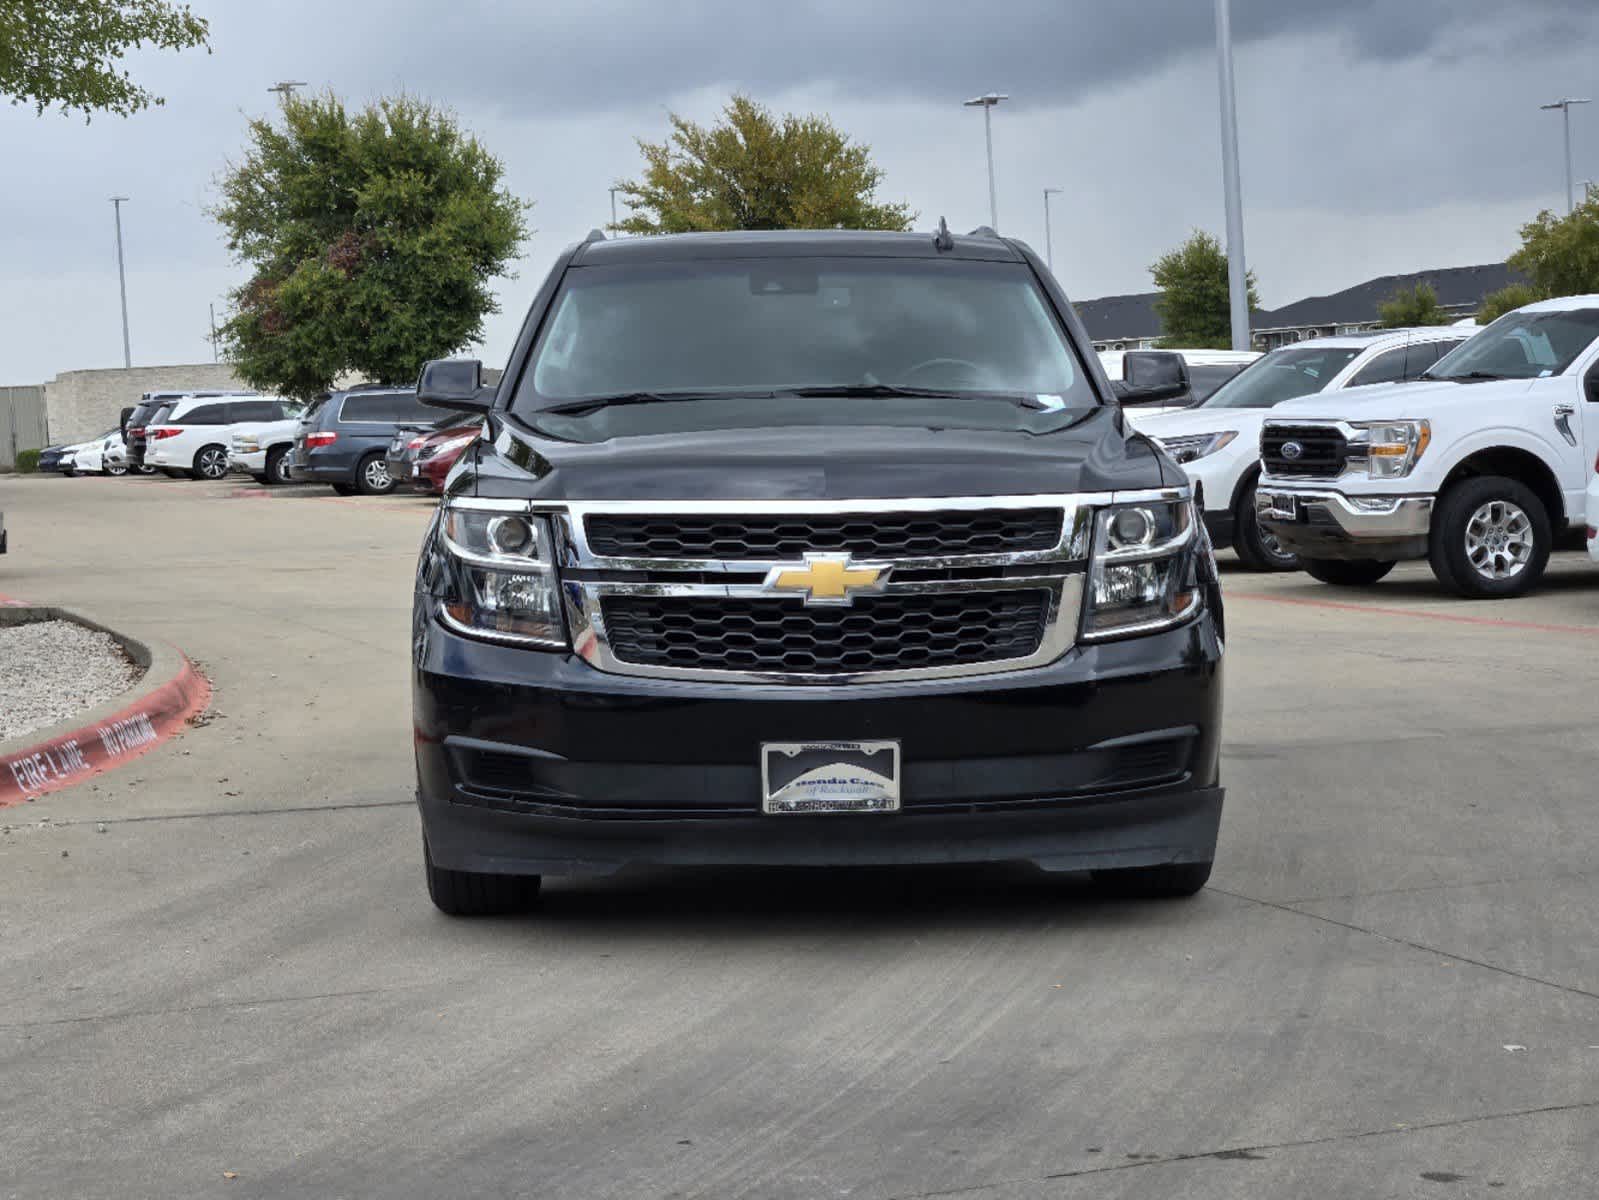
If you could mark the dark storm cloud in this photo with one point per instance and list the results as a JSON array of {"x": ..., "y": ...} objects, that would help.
[{"x": 597, "y": 57}]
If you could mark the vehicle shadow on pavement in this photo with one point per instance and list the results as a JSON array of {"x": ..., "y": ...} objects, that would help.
[{"x": 868, "y": 900}]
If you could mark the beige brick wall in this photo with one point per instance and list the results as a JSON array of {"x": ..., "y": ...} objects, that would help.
[{"x": 80, "y": 404}]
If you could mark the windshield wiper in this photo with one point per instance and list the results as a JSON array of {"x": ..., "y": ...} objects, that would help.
[
  {"x": 594, "y": 403},
  {"x": 867, "y": 391},
  {"x": 1479, "y": 376}
]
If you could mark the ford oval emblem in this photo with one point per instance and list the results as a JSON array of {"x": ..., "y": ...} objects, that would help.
[{"x": 1292, "y": 451}]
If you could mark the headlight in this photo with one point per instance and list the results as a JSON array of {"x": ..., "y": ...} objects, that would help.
[
  {"x": 1392, "y": 448},
  {"x": 1190, "y": 446},
  {"x": 1146, "y": 569},
  {"x": 245, "y": 445},
  {"x": 504, "y": 585}
]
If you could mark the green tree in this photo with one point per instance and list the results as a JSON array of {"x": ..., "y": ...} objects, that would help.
[
  {"x": 757, "y": 171},
  {"x": 1194, "y": 307},
  {"x": 1560, "y": 255},
  {"x": 1506, "y": 299},
  {"x": 66, "y": 52},
  {"x": 1417, "y": 306},
  {"x": 371, "y": 238}
]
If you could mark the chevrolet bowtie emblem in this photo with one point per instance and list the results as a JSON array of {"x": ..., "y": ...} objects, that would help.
[{"x": 828, "y": 579}]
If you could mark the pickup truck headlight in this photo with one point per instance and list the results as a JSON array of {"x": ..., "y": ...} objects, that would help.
[
  {"x": 1145, "y": 573},
  {"x": 244, "y": 444},
  {"x": 1190, "y": 446},
  {"x": 1392, "y": 448},
  {"x": 504, "y": 585}
]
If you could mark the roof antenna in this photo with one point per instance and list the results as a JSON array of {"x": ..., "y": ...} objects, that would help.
[{"x": 943, "y": 239}]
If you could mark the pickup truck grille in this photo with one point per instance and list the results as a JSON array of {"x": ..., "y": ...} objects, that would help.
[
  {"x": 1322, "y": 450},
  {"x": 885, "y": 535},
  {"x": 877, "y": 633}
]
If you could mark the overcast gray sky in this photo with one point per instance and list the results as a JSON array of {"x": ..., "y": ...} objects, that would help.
[{"x": 1377, "y": 135}]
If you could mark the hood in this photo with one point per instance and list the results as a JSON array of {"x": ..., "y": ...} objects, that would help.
[
  {"x": 1380, "y": 401},
  {"x": 1205, "y": 420},
  {"x": 816, "y": 462}
]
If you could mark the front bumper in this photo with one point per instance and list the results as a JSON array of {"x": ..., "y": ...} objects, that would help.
[
  {"x": 1329, "y": 524},
  {"x": 535, "y": 763},
  {"x": 251, "y": 463}
]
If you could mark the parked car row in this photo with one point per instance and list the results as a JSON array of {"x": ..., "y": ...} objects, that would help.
[{"x": 366, "y": 440}]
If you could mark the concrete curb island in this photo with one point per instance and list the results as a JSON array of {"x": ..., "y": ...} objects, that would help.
[{"x": 108, "y": 735}]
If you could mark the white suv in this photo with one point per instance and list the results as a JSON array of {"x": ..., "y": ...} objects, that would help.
[
  {"x": 194, "y": 437},
  {"x": 1217, "y": 442},
  {"x": 1481, "y": 468}
]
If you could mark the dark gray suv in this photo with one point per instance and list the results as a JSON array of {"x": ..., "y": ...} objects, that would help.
[{"x": 342, "y": 438}]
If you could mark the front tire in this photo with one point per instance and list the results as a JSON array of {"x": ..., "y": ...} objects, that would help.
[
  {"x": 471, "y": 894},
  {"x": 1167, "y": 881},
  {"x": 1490, "y": 539},
  {"x": 1352, "y": 572},
  {"x": 277, "y": 465},
  {"x": 1256, "y": 547},
  {"x": 210, "y": 462},
  {"x": 372, "y": 476},
  {"x": 117, "y": 471}
]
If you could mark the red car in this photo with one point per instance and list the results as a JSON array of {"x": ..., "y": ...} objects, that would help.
[{"x": 433, "y": 454}]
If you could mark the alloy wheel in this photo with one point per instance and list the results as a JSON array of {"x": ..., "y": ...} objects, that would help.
[
  {"x": 1499, "y": 540},
  {"x": 213, "y": 463},
  {"x": 377, "y": 474}
]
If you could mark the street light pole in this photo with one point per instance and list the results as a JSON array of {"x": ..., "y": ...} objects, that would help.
[
  {"x": 1565, "y": 113},
  {"x": 1049, "y": 237},
  {"x": 613, "y": 210},
  {"x": 122, "y": 282},
  {"x": 987, "y": 103},
  {"x": 1237, "y": 277},
  {"x": 285, "y": 88}
]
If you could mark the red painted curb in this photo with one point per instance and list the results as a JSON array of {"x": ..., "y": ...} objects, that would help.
[{"x": 70, "y": 758}]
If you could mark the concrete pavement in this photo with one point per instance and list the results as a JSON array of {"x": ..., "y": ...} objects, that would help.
[{"x": 243, "y": 973}]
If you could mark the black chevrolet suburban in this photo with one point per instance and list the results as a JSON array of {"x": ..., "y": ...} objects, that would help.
[{"x": 810, "y": 549}]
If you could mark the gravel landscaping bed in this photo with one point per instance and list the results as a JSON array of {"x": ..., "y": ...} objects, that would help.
[{"x": 52, "y": 669}]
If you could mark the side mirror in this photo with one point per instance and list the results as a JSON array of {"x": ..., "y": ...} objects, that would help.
[
  {"x": 1152, "y": 377},
  {"x": 454, "y": 383}
]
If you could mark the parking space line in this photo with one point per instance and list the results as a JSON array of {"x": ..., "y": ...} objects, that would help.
[{"x": 1382, "y": 611}]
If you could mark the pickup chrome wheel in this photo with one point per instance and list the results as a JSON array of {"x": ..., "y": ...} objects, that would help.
[
  {"x": 1490, "y": 538},
  {"x": 211, "y": 463},
  {"x": 1256, "y": 546},
  {"x": 1499, "y": 540},
  {"x": 278, "y": 469}
]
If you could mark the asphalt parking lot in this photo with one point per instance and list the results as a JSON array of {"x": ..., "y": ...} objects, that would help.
[{"x": 1391, "y": 987}]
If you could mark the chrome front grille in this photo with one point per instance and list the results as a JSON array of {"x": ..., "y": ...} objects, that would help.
[
  {"x": 703, "y": 589},
  {"x": 919, "y": 631},
  {"x": 874, "y": 535}
]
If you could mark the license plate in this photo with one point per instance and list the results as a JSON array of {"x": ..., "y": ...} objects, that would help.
[
  {"x": 416, "y": 469},
  {"x": 1282, "y": 508},
  {"x": 829, "y": 777}
]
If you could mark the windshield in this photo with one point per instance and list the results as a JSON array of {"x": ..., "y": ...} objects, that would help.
[
  {"x": 1282, "y": 375},
  {"x": 1205, "y": 378},
  {"x": 771, "y": 327},
  {"x": 1522, "y": 345}
]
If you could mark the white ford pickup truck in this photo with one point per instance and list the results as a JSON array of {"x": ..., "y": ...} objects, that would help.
[{"x": 1481, "y": 467}]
